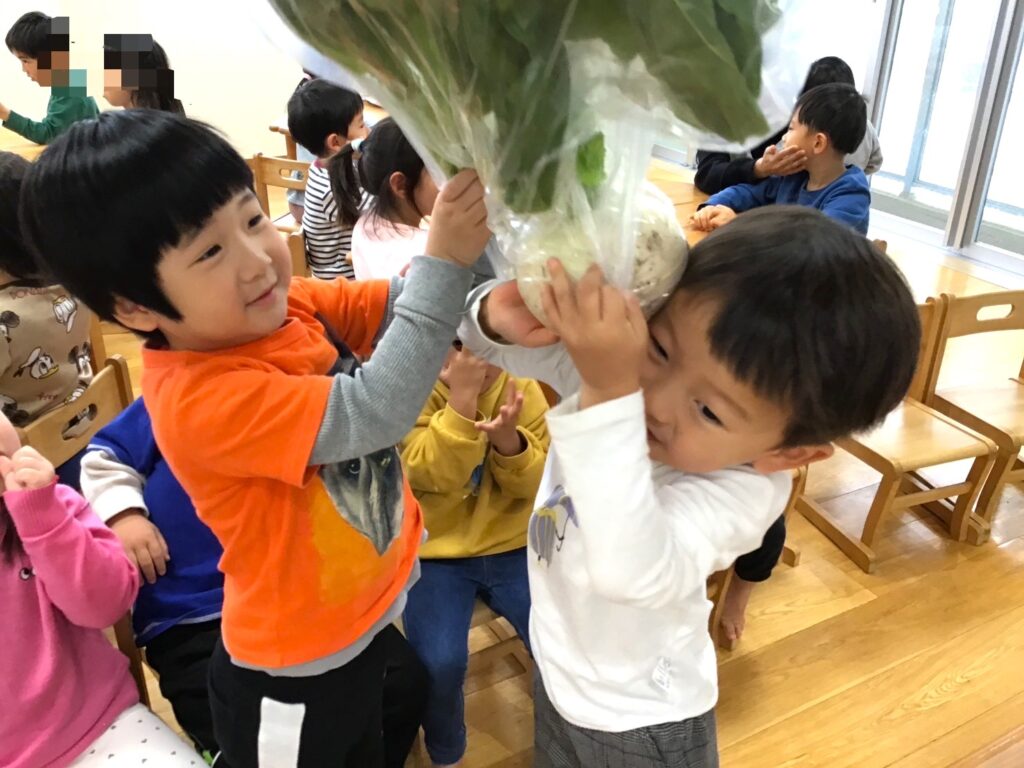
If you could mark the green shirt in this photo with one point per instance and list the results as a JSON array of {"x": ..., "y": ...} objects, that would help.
[{"x": 66, "y": 106}]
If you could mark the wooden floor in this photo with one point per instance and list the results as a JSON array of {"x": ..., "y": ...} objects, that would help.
[{"x": 920, "y": 665}]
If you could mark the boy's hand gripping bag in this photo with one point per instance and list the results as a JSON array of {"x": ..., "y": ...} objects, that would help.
[{"x": 558, "y": 105}]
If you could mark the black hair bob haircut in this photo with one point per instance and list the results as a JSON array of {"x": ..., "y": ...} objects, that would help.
[
  {"x": 836, "y": 110},
  {"x": 317, "y": 109},
  {"x": 15, "y": 257},
  {"x": 810, "y": 315},
  {"x": 102, "y": 202}
]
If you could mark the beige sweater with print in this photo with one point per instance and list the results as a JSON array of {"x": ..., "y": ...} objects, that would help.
[{"x": 44, "y": 350}]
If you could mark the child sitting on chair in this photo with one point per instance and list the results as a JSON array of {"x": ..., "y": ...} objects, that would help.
[
  {"x": 671, "y": 456},
  {"x": 324, "y": 119},
  {"x": 474, "y": 461},
  {"x": 69, "y": 697},
  {"x": 45, "y": 354},
  {"x": 42, "y": 45},
  {"x": 828, "y": 123}
]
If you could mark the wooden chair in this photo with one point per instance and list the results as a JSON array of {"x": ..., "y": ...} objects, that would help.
[
  {"x": 97, "y": 344},
  {"x": 913, "y": 437},
  {"x": 506, "y": 641},
  {"x": 995, "y": 409},
  {"x": 720, "y": 582},
  {"x": 66, "y": 430},
  {"x": 297, "y": 249},
  {"x": 125, "y": 636},
  {"x": 277, "y": 172}
]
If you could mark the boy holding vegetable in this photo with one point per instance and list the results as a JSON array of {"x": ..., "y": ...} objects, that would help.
[{"x": 671, "y": 455}]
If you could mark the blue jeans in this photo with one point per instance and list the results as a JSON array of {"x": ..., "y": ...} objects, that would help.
[{"x": 437, "y": 617}]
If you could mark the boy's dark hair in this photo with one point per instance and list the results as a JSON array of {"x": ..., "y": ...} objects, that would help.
[
  {"x": 105, "y": 199},
  {"x": 836, "y": 110},
  {"x": 826, "y": 71},
  {"x": 317, "y": 109},
  {"x": 15, "y": 257},
  {"x": 144, "y": 69},
  {"x": 384, "y": 152},
  {"x": 37, "y": 35},
  {"x": 811, "y": 315}
]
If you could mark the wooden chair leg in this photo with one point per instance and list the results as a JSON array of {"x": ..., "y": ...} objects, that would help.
[
  {"x": 992, "y": 489},
  {"x": 960, "y": 524},
  {"x": 717, "y": 636},
  {"x": 791, "y": 556},
  {"x": 887, "y": 490}
]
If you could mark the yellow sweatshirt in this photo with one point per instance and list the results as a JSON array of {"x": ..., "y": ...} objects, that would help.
[{"x": 467, "y": 512}]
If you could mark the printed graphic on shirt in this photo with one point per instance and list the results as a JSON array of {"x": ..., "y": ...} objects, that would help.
[
  {"x": 8, "y": 320},
  {"x": 367, "y": 493},
  {"x": 15, "y": 415},
  {"x": 80, "y": 358},
  {"x": 38, "y": 364},
  {"x": 65, "y": 310},
  {"x": 549, "y": 523}
]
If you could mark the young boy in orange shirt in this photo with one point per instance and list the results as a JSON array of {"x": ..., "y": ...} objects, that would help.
[{"x": 290, "y": 461}]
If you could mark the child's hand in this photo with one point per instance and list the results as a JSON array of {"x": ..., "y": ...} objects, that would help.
[
  {"x": 26, "y": 470},
  {"x": 780, "y": 162},
  {"x": 504, "y": 316},
  {"x": 142, "y": 542},
  {"x": 458, "y": 225},
  {"x": 501, "y": 430},
  {"x": 464, "y": 374},
  {"x": 712, "y": 217},
  {"x": 602, "y": 327}
]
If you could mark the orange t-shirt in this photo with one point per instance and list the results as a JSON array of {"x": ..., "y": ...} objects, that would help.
[{"x": 304, "y": 577}]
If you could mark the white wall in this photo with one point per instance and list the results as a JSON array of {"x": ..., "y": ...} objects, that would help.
[{"x": 226, "y": 72}]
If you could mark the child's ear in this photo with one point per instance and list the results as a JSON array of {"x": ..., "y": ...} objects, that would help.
[
  {"x": 134, "y": 316},
  {"x": 335, "y": 142},
  {"x": 821, "y": 143},
  {"x": 399, "y": 184},
  {"x": 782, "y": 459}
]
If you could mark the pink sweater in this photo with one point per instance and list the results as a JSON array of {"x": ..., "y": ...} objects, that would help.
[{"x": 61, "y": 681}]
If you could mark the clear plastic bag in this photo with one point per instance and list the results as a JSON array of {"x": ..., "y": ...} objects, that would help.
[{"x": 557, "y": 106}]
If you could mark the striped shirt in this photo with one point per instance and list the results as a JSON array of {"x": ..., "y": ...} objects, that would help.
[{"x": 327, "y": 243}]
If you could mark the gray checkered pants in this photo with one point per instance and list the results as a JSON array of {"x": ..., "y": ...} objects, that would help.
[{"x": 559, "y": 744}]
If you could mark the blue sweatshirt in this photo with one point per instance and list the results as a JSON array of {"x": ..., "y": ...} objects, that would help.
[
  {"x": 192, "y": 590},
  {"x": 847, "y": 199}
]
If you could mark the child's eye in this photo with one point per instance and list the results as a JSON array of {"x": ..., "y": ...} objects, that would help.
[
  {"x": 708, "y": 415},
  {"x": 255, "y": 221},
  {"x": 657, "y": 350},
  {"x": 209, "y": 253}
]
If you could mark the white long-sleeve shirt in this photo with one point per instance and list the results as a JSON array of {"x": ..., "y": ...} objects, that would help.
[{"x": 620, "y": 549}]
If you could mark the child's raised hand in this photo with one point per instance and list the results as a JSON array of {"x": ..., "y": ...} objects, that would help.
[
  {"x": 458, "y": 224},
  {"x": 602, "y": 327},
  {"x": 26, "y": 470},
  {"x": 142, "y": 542},
  {"x": 712, "y": 217},
  {"x": 464, "y": 375},
  {"x": 504, "y": 316},
  {"x": 501, "y": 430}
]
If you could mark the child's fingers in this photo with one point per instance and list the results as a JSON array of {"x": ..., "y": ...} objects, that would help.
[
  {"x": 145, "y": 562},
  {"x": 562, "y": 289},
  {"x": 458, "y": 184},
  {"x": 635, "y": 317},
  {"x": 551, "y": 308},
  {"x": 590, "y": 294},
  {"x": 6, "y": 466}
]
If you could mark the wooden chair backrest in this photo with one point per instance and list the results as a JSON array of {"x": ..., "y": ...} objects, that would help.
[
  {"x": 932, "y": 313},
  {"x": 97, "y": 345},
  {"x": 962, "y": 318},
  {"x": 275, "y": 172},
  {"x": 297, "y": 249},
  {"x": 66, "y": 430},
  {"x": 125, "y": 636}
]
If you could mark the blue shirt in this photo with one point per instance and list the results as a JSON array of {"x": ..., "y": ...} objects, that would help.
[
  {"x": 847, "y": 199},
  {"x": 192, "y": 590}
]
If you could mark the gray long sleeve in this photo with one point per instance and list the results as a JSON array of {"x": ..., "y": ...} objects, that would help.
[{"x": 375, "y": 408}]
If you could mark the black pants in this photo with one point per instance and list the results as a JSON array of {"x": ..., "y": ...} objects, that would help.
[
  {"x": 758, "y": 565},
  {"x": 181, "y": 658},
  {"x": 365, "y": 714}
]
